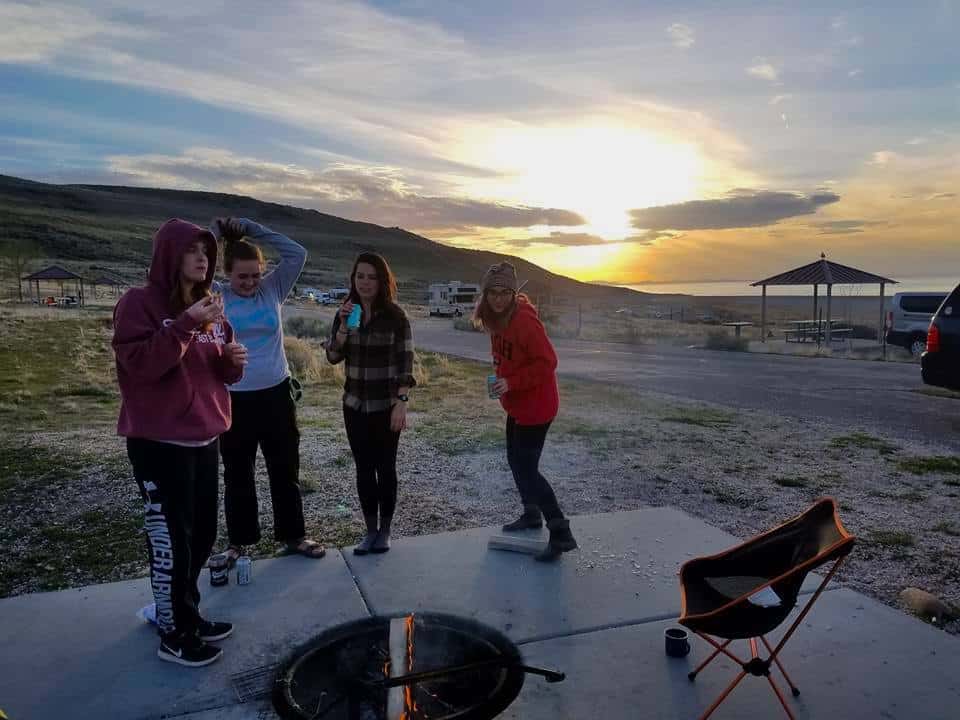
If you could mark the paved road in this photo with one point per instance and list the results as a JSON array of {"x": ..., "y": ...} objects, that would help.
[
  {"x": 882, "y": 397},
  {"x": 860, "y": 394}
]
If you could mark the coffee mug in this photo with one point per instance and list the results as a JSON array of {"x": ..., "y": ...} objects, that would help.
[{"x": 677, "y": 642}]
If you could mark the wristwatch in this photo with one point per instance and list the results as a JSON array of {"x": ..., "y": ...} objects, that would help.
[{"x": 403, "y": 398}]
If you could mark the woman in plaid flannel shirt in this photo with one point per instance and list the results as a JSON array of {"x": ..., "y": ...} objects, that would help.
[{"x": 379, "y": 373}]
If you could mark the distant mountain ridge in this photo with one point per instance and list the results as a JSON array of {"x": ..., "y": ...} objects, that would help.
[{"x": 102, "y": 227}]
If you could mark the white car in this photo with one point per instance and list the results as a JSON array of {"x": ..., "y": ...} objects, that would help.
[{"x": 909, "y": 318}]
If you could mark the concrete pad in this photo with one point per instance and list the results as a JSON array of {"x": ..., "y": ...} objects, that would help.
[
  {"x": 851, "y": 658},
  {"x": 83, "y": 653},
  {"x": 624, "y": 572}
]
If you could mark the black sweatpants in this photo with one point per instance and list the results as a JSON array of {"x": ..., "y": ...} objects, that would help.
[
  {"x": 524, "y": 447},
  {"x": 266, "y": 419},
  {"x": 179, "y": 488},
  {"x": 374, "y": 447}
]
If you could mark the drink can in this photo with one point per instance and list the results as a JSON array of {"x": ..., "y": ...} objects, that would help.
[
  {"x": 218, "y": 570},
  {"x": 491, "y": 381},
  {"x": 244, "y": 570},
  {"x": 353, "y": 319}
]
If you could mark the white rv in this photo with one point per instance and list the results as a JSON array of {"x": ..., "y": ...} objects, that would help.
[{"x": 453, "y": 298}]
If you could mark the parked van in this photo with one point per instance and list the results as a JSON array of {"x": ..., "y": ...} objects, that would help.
[
  {"x": 453, "y": 298},
  {"x": 909, "y": 318},
  {"x": 940, "y": 364}
]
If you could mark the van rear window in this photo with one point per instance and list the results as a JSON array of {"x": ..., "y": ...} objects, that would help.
[{"x": 925, "y": 304}]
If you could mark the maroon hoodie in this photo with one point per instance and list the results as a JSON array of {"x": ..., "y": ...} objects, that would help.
[{"x": 171, "y": 372}]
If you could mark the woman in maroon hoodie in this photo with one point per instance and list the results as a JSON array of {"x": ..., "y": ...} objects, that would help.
[
  {"x": 175, "y": 355},
  {"x": 526, "y": 365}
]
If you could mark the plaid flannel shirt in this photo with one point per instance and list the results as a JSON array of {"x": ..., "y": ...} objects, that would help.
[{"x": 379, "y": 361}]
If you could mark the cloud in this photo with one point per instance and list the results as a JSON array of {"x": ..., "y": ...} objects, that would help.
[
  {"x": 374, "y": 193},
  {"x": 845, "y": 227},
  {"x": 562, "y": 239},
  {"x": 777, "y": 99},
  {"x": 854, "y": 72},
  {"x": 681, "y": 35},
  {"x": 917, "y": 141},
  {"x": 761, "y": 68},
  {"x": 37, "y": 33},
  {"x": 740, "y": 209}
]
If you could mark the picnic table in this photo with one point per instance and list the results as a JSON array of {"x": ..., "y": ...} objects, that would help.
[
  {"x": 815, "y": 330},
  {"x": 737, "y": 326}
]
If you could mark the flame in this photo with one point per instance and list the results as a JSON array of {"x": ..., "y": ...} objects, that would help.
[{"x": 409, "y": 704}]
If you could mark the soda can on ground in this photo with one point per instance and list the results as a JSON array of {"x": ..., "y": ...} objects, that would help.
[
  {"x": 219, "y": 567},
  {"x": 244, "y": 570}
]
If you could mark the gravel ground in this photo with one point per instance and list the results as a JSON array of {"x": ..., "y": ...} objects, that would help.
[{"x": 611, "y": 449}]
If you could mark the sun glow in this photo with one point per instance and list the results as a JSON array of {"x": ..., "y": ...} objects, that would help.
[{"x": 600, "y": 171}]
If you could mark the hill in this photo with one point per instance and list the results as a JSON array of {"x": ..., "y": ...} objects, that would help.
[{"x": 97, "y": 227}]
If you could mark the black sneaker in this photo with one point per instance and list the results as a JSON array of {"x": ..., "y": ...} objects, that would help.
[
  {"x": 188, "y": 650},
  {"x": 210, "y": 631}
]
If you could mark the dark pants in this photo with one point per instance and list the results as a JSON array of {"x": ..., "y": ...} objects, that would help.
[
  {"x": 374, "y": 447},
  {"x": 179, "y": 488},
  {"x": 266, "y": 419},
  {"x": 524, "y": 447}
]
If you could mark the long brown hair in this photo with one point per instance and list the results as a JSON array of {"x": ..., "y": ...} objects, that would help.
[
  {"x": 386, "y": 298},
  {"x": 484, "y": 317}
]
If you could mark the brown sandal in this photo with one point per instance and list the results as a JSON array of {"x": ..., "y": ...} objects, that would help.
[
  {"x": 233, "y": 552},
  {"x": 307, "y": 548}
]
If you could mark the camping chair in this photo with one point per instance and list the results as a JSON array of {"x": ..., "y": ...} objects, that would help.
[{"x": 749, "y": 590}]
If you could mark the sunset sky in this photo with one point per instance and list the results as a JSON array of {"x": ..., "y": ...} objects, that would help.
[{"x": 621, "y": 141}]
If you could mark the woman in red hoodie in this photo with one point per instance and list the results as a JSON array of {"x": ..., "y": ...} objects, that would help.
[
  {"x": 526, "y": 366},
  {"x": 175, "y": 355}
]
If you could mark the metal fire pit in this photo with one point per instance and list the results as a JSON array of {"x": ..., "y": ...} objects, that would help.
[{"x": 411, "y": 667}]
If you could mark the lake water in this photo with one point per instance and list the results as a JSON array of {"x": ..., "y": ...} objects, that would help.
[{"x": 741, "y": 288}]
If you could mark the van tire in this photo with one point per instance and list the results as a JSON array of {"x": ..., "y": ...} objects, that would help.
[{"x": 917, "y": 344}]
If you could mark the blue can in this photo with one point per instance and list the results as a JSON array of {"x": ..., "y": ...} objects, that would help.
[
  {"x": 353, "y": 319},
  {"x": 491, "y": 381},
  {"x": 244, "y": 570}
]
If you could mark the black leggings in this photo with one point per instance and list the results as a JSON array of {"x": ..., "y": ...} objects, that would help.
[
  {"x": 266, "y": 419},
  {"x": 179, "y": 489},
  {"x": 524, "y": 447},
  {"x": 374, "y": 447}
]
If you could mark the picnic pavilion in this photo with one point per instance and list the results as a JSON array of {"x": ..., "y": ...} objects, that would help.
[
  {"x": 823, "y": 272},
  {"x": 57, "y": 274}
]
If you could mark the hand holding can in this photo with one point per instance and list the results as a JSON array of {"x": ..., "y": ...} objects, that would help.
[{"x": 353, "y": 319}]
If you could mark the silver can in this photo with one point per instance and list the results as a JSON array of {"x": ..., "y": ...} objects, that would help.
[{"x": 244, "y": 570}]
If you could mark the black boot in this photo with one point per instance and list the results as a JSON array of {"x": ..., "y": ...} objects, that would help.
[
  {"x": 561, "y": 540},
  {"x": 531, "y": 519}
]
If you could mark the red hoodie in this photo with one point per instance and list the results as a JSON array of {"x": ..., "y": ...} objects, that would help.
[
  {"x": 522, "y": 354},
  {"x": 171, "y": 372}
]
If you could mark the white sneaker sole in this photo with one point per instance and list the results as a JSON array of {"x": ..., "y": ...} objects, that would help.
[
  {"x": 215, "y": 638},
  {"x": 170, "y": 657}
]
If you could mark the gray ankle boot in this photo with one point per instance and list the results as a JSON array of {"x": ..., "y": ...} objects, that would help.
[
  {"x": 382, "y": 543},
  {"x": 561, "y": 540},
  {"x": 531, "y": 519},
  {"x": 367, "y": 543}
]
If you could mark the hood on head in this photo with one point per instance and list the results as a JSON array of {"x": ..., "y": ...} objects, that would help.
[{"x": 170, "y": 242}]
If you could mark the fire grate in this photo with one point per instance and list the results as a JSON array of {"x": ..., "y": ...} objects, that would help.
[
  {"x": 415, "y": 667},
  {"x": 255, "y": 684}
]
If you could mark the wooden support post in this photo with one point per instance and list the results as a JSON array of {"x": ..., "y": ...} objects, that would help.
[
  {"x": 829, "y": 311},
  {"x": 763, "y": 315},
  {"x": 883, "y": 315},
  {"x": 816, "y": 292}
]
